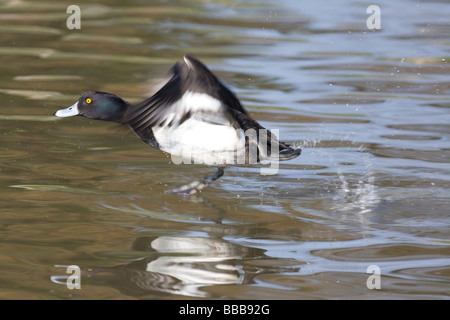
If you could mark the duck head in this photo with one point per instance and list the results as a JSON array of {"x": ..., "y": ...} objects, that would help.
[{"x": 96, "y": 105}]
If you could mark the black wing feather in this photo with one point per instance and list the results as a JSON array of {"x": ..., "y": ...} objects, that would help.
[{"x": 192, "y": 76}]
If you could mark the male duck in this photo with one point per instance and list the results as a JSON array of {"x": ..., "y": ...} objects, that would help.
[{"x": 193, "y": 116}]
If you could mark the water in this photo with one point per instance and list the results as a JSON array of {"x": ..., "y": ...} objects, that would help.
[{"x": 369, "y": 108}]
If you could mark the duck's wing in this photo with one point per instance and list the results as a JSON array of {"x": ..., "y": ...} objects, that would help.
[
  {"x": 205, "y": 81},
  {"x": 192, "y": 91}
]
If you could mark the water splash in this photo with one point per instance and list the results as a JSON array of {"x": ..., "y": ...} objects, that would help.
[
  {"x": 352, "y": 184},
  {"x": 356, "y": 196}
]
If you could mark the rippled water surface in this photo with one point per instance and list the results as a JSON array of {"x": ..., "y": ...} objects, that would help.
[{"x": 370, "y": 109}]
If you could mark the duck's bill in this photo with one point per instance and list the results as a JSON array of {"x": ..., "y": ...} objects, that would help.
[{"x": 68, "y": 112}]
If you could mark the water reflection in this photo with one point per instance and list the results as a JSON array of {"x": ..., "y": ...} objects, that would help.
[
  {"x": 195, "y": 262},
  {"x": 175, "y": 265}
]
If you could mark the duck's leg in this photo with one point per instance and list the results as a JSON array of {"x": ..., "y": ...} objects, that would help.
[{"x": 195, "y": 186}]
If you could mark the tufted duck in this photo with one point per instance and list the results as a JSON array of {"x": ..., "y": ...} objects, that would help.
[{"x": 193, "y": 117}]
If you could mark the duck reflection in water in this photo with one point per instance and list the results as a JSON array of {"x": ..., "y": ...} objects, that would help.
[{"x": 177, "y": 265}]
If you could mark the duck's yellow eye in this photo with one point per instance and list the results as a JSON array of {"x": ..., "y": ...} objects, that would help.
[{"x": 88, "y": 100}]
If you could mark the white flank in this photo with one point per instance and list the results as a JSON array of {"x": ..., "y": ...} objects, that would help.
[
  {"x": 200, "y": 142},
  {"x": 206, "y": 137}
]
